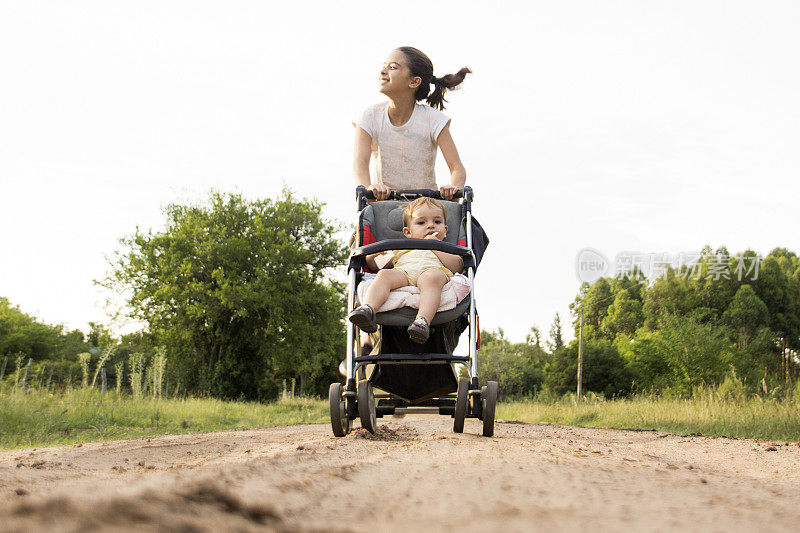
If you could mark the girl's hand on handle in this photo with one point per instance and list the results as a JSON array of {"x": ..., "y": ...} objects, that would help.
[
  {"x": 380, "y": 191},
  {"x": 447, "y": 191}
]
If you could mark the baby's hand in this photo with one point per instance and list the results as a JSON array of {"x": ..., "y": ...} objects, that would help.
[
  {"x": 383, "y": 259},
  {"x": 434, "y": 235}
]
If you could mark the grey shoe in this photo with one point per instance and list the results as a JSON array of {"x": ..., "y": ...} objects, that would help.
[
  {"x": 419, "y": 331},
  {"x": 364, "y": 317}
]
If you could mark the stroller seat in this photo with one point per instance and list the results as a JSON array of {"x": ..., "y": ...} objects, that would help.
[{"x": 384, "y": 220}]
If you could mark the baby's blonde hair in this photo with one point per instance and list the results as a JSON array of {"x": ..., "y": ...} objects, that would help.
[{"x": 419, "y": 202}]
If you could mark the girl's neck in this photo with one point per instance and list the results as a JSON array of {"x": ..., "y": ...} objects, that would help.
[{"x": 400, "y": 110}]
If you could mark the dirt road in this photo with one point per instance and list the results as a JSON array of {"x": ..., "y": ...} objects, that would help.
[{"x": 415, "y": 474}]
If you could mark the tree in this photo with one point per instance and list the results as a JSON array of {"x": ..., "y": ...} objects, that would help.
[
  {"x": 745, "y": 314},
  {"x": 518, "y": 367},
  {"x": 534, "y": 337},
  {"x": 695, "y": 353},
  {"x": 604, "y": 370},
  {"x": 23, "y": 334},
  {"x": 595, "y": 299},
  {"x": 556, "y": 341},
  {"x": 624, "y": 316},
  {"x": 239, "y": 292}
]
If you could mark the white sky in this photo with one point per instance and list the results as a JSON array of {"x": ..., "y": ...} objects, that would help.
[{"x": 623, "y": 125}]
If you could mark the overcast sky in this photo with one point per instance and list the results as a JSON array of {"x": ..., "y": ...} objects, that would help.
[{"x": 627, "y": 125}]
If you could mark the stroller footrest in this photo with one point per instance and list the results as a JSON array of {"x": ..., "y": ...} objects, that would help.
[{"x": 413, "y": 357}]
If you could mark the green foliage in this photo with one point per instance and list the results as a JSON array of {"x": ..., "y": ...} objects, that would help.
[
  {"x": 135, "y": 371},
  {"x": 21, "y": 333},
  {"x": 119, "y": 370},
  {"x": 83, "y": 359},
  {"x": 158, "y": 364},
  {"x": 518, "y": 366},
  {"x": 604, "y": 369},
  {"x": 694, "y": 323},
  {"x": 238, "y": 291},
  {"x": 624, "y": 316},
  {"x": 102, "y": 361},
  {"x": 556, "y": 341},
  {"x": 686, "y": 354}
]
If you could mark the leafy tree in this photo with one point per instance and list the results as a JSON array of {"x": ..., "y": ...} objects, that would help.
[
  {"x": 99, "y": 336},
  {"x": 604, "y": 370},
  {"x": 672, "y": 294},
  {"x": 239, "y": 292},
  {"x": 745, "y": 314},
  {"x": 534, "y": 337},
  {"x": 595, "y": 299},
  {"x": 695, "y": 353},
  {"x": 518, "y": 367},
  {"x": 556, "y": 341},
  {"x": 23, "y": 334},
  {"x": 624, "y": 316}
]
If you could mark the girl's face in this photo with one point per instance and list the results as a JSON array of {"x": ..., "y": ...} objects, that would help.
[{"x": 395, "y": 77}]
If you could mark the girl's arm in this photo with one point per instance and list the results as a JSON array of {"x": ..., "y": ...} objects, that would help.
[
  {"x": 458, "y": 174},
  {"x": 363, "y": 150}
]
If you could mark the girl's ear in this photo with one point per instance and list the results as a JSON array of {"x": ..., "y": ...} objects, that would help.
[
  {"x": 416, "y": 81},
  {"x": 406, "y": 231},
  {"x": 445, "y": 232}
]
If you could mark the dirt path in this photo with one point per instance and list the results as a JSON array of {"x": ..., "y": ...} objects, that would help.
[{"x": 414, "y": 475}]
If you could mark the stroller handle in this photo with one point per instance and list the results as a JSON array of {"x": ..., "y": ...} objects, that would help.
[{"x": 413, "y": 194}]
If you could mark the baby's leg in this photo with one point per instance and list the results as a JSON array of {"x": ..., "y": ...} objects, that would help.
[
  {"x": 430, "y": 285},
  {"x": 385, "y": 281}
]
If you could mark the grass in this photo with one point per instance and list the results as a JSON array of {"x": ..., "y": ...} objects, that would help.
[
  {"x": 752, "y": 417},
  {"x": 40, "y": 418}
]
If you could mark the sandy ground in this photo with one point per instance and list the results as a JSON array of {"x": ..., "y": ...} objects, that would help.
[{"x": 415, "y": 474}]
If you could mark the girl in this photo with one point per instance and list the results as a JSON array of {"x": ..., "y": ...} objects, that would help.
[{"x": 402, "y": 134}]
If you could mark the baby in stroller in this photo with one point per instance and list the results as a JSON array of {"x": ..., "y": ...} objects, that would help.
[{"x": 429, "y": 270}]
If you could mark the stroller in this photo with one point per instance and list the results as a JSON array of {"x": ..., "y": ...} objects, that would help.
[{"x": 413, "y": 378}]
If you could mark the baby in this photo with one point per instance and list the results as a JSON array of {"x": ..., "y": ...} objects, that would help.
[{"x": 424, "y": 218}]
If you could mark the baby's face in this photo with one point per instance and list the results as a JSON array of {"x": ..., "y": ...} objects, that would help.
[{"x": 427, "y": 222}]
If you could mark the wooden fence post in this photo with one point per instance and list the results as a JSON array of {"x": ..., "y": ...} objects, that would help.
[
  {"x": 3, "y": 371},
  {"x": 27, "y": 368}
]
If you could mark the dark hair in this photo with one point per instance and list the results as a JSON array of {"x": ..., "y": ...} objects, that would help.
[{"x": 421, "y": 65}]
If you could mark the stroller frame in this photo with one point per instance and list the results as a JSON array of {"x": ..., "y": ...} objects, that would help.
[{"x": 356, "y": 398}]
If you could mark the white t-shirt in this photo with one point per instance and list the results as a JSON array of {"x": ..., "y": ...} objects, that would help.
[{"x": 405, "y": 156}]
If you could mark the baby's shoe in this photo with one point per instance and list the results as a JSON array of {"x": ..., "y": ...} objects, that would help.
[
  {"x": 419, "y": 331},
  {"x": 364, "y": 317}
]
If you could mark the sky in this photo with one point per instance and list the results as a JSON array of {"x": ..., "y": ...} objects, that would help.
[{"x": 655, "y": 127}]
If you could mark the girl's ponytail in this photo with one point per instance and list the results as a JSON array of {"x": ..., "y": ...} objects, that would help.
[
  {"x": 420, "y": 65},
  {"x": 445, "y": 83}
]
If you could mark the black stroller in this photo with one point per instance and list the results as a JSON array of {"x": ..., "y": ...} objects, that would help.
[{"x": 414, "y": 378}]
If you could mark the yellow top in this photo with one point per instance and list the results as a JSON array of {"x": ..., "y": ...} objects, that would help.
[{"x": 414, "y": 262}]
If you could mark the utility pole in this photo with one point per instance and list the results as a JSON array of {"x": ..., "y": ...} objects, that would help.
[{"x": 580, "y": 357}]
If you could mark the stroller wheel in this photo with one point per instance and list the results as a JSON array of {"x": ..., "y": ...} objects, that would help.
[
  {"x": 366, "y": 405},
  {"x": 488, "y": 403},
  {"x": 462, "y": 402},
  {"x": 339, "y": 421}
]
